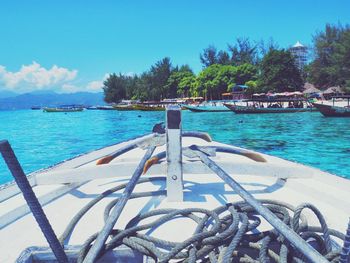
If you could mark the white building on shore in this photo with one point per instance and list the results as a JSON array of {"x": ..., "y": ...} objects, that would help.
[{"x": 300, "y": 53}]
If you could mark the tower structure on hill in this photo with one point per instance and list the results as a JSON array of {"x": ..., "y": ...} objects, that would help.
[{"x": 300, "y": 53}]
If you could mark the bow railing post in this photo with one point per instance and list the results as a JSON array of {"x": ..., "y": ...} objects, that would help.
[
  {"x": 174, "y": 154},
  {"x": 32, "y": 201}
]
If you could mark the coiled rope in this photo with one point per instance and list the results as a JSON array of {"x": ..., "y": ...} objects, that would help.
[{"x": 228, "y": 233}]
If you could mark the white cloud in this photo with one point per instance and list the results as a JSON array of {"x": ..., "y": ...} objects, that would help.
[
  {"x": 2, "y": 69},
  {"x": 96, "y": 85},
  {"x": 35, "y": 77}
]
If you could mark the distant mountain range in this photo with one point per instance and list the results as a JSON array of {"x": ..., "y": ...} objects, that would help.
[
  {"x": 10, "y": 100},
  {"x": 7, "y": 94}
]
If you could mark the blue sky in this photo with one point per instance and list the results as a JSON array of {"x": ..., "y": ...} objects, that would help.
[{"x": 71, "y": 45}]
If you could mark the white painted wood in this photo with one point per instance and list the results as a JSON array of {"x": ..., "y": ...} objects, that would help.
[
  {"x": 124, "y": 169},
  {"x": 23, "y": 210},
  {"x": 174, "y": 155},
  {"x": 86, "y": 173},
  {"x": 331, "y": 194},
  {"x": 12, "y": 189},
  {"x": 174, "y": 167}
]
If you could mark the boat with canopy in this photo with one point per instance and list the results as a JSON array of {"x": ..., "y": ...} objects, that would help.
[
  {"x": 64, "y": 108},
  {"x": 272, "y": 106},
  {"x": 209, "y": 106},
  {"x": 339, "y": 107}
]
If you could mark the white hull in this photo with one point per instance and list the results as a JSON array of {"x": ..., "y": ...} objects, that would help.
[{"x": 331, "y": 194}]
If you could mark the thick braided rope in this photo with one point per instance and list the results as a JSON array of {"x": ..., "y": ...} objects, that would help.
[
  {"x": 220, "y": 235},
  {"x": 296, "y": 227}
]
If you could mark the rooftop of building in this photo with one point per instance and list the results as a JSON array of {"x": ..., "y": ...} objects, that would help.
[{"x": 298, "y": 44}]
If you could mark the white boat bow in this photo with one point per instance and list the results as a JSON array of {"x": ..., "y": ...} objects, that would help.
[{"x": 67, "y": 187}]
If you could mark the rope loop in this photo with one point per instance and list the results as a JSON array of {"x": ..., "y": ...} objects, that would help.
[{"x": 231, "y": 232}]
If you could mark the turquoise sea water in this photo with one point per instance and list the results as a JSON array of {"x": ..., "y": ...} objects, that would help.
[{"x": 42, "y": 139}]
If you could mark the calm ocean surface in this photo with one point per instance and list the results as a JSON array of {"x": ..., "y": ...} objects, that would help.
[{"x": 41, "y": 139}]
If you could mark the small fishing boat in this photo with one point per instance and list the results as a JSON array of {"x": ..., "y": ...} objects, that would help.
[
  {"x": 105, "y": 107},
  {"x": 92, "y": 108},
  {"x": 64, "y": 108},
  {"x": 127, "y": 107},
  {"x": 36, "y": 108},
  {"x": 173, "y": 196},
  {"x": 157, "y": 105},
  {"x": 257, "y": 106},
  {"x": 207, "y": 107},
  {"x": 151, "y": 107},
  {"x": 342, "y": 109}
]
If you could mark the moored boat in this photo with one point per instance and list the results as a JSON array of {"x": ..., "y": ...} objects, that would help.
[
  {"x": 332, "y": 110},
  {"x": 151, "y": 107},
  {"x": 63, "y": 109},
  {"x": 206, "y": 107},
  {"x": 92, "y": 108},
  {"x": 257, "y": 106},
  {"x": 129, "y": 107},
  {"x": 103, "y": 211},
  {"x": 108, "y": 107},
  {"x": 35, "y": 107}
]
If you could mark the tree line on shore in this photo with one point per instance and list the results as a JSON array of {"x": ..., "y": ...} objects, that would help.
[{"x": 262, "y": 67}]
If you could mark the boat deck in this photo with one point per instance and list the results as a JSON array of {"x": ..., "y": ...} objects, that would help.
[{"x": 64, "y": 189}]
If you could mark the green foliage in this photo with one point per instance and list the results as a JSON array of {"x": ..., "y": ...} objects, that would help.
[
  {"x": 262, "y": 67},
  {"x": 187, "y": 86},
  {"x": 279, "y": 73},
  {"x": 223, "y": 58},
  {"x": 142, "y": 87},
  {"x": 159, "y": 74},
  {"x": 164, "y": 81},
  {"x": 226, "y": 78},
  {"x": 160, "y": 82},
  {"x": 245, "y": 72},
  {"x": 254, "y": 87},
  {"x": 265, "y": 47},
  {"x": 151, "y": 85},
  {"x": 243, "y": 52},
  {"x": 115, "y": 87},
  {"x": 331, "y": 66},
  {"x": 173, "y": 83},
  {"x": 206, "y": 82},
  {"x": 251, "y": 84},
  {"x": 209, "y": 56},
  {"x": 217, "y": 79}
]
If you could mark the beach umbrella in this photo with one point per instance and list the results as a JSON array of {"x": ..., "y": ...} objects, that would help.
[
  {"x": 270, "y": 94},
  {"x": 308, "y": 85},
  {"x": 285, "y": 94},
  {"x": 331, "y": 90},
  {"x": 311, "y": 90}
]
